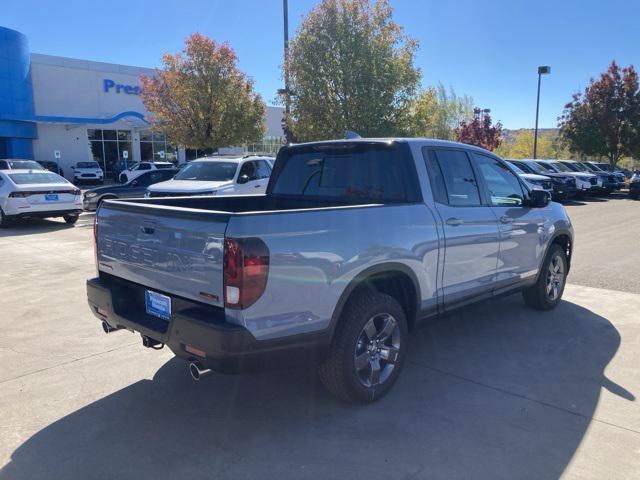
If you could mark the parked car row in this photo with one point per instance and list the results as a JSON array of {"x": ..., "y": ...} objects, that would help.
[
  {"x": 569, "y": 178},
  {"x": 204, "y": 176}
]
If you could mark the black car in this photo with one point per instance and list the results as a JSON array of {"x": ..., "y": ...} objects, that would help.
[
  {"x": 564, "y": 186},
  {"x": 51, "y": 166},
  {"x": 634, "y": 186},
  {"x": 135, "y": 188}
]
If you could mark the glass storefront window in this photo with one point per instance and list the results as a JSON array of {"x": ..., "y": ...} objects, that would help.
[
  {"x": 94, "y": 134},
  {"x": 154, "y": 147},
  {"x": 124, "y": 136},
  {"x": 110, "y": 134},
  {"x": 107, "y": 146}
]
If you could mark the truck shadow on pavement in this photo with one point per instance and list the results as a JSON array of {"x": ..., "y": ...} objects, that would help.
[
  {"x": 493, "y": 391},
  {"x": 33, "y": 226}
]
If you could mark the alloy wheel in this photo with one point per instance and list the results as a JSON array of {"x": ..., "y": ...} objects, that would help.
[
  {"x": 555, "y": 277},
  {"x": 377, "y": 349}
]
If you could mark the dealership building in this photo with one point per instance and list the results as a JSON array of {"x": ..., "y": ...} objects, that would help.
[{"x": 69, "y": 110}]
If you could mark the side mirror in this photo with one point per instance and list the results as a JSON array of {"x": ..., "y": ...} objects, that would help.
[
  {"x": 72, "y": 167},
  {"x": 538, "y": 199},
  {"x": 243, "y": 179}
]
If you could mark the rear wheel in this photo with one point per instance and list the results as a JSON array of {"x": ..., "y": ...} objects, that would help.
[
  {"x": 368, "y": 349},
  {"x": 548, "y": 289},
  {"x": 71, "y": 219},
  {"x": 4, "y": 221}
]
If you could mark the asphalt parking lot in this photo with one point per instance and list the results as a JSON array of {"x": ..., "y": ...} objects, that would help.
[{"x": 493, "y": 391}]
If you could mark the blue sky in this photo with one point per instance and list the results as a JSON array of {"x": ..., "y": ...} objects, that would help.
[{"x": 489, "y": 50}]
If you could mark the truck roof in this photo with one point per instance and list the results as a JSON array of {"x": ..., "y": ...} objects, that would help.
[{"x": 422, "y": 141}]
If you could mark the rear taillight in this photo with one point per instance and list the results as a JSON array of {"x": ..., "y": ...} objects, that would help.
[
  {"x": 246, "y": 268},
  {"x": 19, "y": 194},
  {"x": 95, "y": 240}
]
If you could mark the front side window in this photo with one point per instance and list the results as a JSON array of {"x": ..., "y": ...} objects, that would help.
[
  {"x": 503, "y": 185},
  {"x": 460, "y": 185},
  {"x": 248, "y": 172}
]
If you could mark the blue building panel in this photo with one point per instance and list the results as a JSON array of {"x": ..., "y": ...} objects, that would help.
[{"x": 16, "y": 95}]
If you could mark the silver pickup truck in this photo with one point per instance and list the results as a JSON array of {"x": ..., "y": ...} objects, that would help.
[{"x": 354, "y": 244}]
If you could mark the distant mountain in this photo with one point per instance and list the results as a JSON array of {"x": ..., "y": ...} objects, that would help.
[{"x": 509, "y": 136}]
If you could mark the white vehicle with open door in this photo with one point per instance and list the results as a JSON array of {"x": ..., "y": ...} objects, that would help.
[{"x": 217, "y": 176}]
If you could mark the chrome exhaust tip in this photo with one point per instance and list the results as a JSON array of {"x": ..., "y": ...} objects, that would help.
[{"x": 197, "y": 371}]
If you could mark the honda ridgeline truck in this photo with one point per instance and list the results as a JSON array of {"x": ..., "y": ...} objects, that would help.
[{"x": 355, "y": 243}]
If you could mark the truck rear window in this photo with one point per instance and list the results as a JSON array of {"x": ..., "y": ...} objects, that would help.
[{"x": 351, "y": 172}]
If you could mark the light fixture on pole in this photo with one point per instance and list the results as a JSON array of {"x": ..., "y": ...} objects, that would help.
[{"x": 542, "y": 70}]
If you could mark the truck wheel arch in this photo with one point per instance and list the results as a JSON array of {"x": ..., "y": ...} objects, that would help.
[{"x": 395, "y": 279}]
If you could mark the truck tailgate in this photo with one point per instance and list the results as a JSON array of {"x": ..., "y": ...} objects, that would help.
[{"x": 173, "y": 250}]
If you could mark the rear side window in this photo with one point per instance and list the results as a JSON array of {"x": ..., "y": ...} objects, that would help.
[
  {"x": 350, "y": 172},
  {"x": 452, "y": 178}
]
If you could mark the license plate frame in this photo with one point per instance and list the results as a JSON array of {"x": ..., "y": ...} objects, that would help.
[{"x": 157, "y": 304}]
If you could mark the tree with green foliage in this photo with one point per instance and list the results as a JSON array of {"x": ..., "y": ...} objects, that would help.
[
  {"x": 350, "y": 68},
  {"x": 605, "y": 119},
  {"x": 436, "y": 113},
  {"x": 522, "y": 146},
  {"x": 201, "y": 100}
]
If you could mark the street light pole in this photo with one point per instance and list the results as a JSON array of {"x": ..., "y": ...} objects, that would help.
[
  {"x": 543, "y": 70},
  {"x": 285, "y": 12}
]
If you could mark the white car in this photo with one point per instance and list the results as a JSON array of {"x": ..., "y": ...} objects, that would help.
[
  {"x": 217, "y": 176},
  {"x": 142, "y": 167},
  {"x": 87, "y": 172},
  {"x": 37, "y": 193}
]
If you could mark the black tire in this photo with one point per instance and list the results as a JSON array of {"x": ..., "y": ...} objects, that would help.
[
  {"x": 547, "y": 292},
  {"x": 71, "y": 219},
  {"x": 339, "y": 372},
  {"x": 4, "y": 221}
]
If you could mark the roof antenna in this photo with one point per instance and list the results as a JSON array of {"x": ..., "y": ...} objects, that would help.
[{"x": 349, "y": 135}]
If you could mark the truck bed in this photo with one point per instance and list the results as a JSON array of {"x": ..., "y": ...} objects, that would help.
[{"x": 244, "y": 203}]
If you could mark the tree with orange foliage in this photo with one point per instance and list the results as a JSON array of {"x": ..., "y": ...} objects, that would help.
[{"x": 200, "y": 99}]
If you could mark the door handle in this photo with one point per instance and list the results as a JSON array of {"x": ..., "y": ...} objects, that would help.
[
  {"x": 454, "y": 222},
  {"x": 257, "y": 186},
  {"x": 506, "y": 219}
]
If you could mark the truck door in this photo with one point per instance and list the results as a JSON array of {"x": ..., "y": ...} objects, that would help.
[
  {"x": 248, "y": 181},
  {"x": 522, "y": 228},
  {"x": 471, "y": 237}
]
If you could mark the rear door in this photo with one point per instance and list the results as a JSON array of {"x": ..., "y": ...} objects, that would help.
[
  {"x": 521, "y": 227},
  {"x": 470, "y": 227},
  {"x": 167, "y": 250}
]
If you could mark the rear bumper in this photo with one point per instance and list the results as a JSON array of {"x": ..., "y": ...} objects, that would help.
[
  {"x": 44, "y": 213},
  {"x": 227, "y": 347}
]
